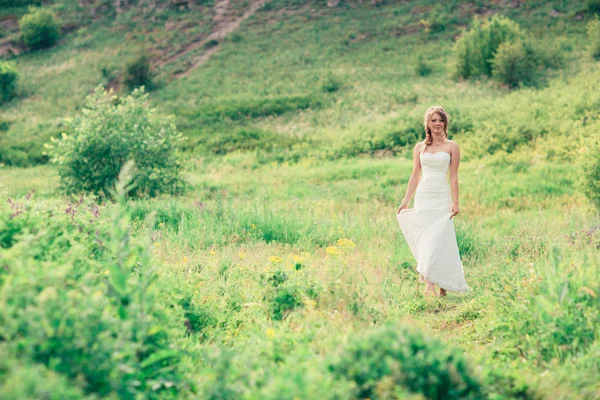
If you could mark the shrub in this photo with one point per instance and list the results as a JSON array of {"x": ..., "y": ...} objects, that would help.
[
  {"x": 515, "y": 64},
  {"x": 591, "y": 175},
  {"x": 331, "y": 84},
  {"x": 8, "y": 81},
  {"x": 110, "y": 132},
  {"x": 78, "y": 305},
  {"x": 593, "y": 6},
  {"x": 39, "y": 28},
  {"x": 593, "y": 31},
  {"x": 138, "y": 73},
  {"x": 475, "y": 50},
  {"x": 392, "y": 358},
  {"x": 423, "y": 68},
  {"x": 436, "y": 21}
]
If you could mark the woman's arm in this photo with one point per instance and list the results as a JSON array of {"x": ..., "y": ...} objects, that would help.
[
  {"x": 414, "y": 177},
  {"x": 454, "y": 162}
]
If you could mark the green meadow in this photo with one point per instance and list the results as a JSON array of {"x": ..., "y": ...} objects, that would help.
[{"x": 281, "y": 272}]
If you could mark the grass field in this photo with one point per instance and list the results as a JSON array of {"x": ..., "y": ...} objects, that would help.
[{"x": 284, "y": 255}]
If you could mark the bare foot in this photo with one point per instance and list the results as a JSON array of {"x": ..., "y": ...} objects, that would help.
[
  {"x": 429, "y": 289},
  {"x": 442, "y": 292},
  {"x": 421, "y": 278}
]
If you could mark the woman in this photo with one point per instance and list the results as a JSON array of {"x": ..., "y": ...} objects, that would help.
[{"x": 428, "y": 228}]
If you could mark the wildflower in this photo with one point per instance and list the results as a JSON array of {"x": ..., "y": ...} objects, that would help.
[
  {"x": 185, "y": 260},
  {"x": 156, "y": 244},
  {"x": 346, "y": 244},
  {"x": 242, "y": 255},
  {"x": 253, "y": 226},
  {"x": 332, "y": 251},
  {"x": 297, "y": 258},
  {"x": 275, "y": 259},
  {"x": 270, "y": 332},
  {"x": 212, "y": 252}
]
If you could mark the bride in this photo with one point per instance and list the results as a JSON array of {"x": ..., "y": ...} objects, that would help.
[{"x": 428, "y": 227}]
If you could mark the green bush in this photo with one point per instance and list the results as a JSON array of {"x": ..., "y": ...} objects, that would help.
[
  {"x": 78, "y": 304},
  {"x": 331, "y": 84},
  {"x": 19, "y": 3},
  {"x": 8, "y": 81},
  {"x": 515, "y": 64},
  {"x": 423, "y": 68},
  {"x": 593, "y": 32},
  {"x": 39, "y": 28},
  {"x": 392, "y": 358},
  {"x": 591, "y": 174},
  {"x": 475, "y": 50},
  {"x": 593, "y": 6},
  {"x": 110, "y": 132},
  {"x": 138, "y": 73}
]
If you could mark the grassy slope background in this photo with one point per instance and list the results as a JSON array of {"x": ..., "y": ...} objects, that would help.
[{"x": 525, "y": 232}]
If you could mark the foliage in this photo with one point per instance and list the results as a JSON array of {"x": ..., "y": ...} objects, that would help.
[
  {"x": 559, "y": 318},
  {"x": 8, "y": 81},
  {"x": 591, "y": 174},
  {"x": 423, "y": 68},
  {"x": 110, "y": 132},
  {"x": 331, "y": 83},
  {"x": 476, "y": 48},
  {"x": 138, "y": 73},
  {"x": 593, "y": 6},
  {"x": 241, "y": 109},
  {"x": 515, "y": 64},
  {"x": 19, "y": 3},
  {"x": 593, "y": 32},
  {"x": 391, "y": 357},
  {"x": 78, "y": 303},
  {"x": 39, "y": 28},
  {"x": 247, "y": 139},
  {"x": 435, "y": 22}
]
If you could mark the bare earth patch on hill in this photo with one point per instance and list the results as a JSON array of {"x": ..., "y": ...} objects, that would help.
[{"x": 226, "y": 21}]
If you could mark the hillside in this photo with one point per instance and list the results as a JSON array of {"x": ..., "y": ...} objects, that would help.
[
  {"x": 281, "y": 272},
  {"x": 269, "y": 66}
]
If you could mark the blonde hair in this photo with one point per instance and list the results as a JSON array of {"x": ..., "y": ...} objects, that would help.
[{"x": 428, "y": 115}]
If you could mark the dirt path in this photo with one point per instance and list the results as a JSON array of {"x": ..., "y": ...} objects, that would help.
[{"x": 224, "y": 25}]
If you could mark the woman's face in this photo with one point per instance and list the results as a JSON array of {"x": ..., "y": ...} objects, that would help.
[{"x": 436, "y": 124}]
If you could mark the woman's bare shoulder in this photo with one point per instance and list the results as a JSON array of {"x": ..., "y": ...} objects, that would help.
[
  {"x": 419, "y": 146},
  {"x": 453, "y": 144}
]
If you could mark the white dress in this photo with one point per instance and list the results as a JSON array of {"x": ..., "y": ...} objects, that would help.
[{"x": 428, "y": 228}]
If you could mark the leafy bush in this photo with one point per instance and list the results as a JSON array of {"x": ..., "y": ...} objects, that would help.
[
  {"x": 515, "y": 64},
  {"x": 19, "y": 3},
  {"x": 8, "y": 81},
  {"x": 593, "y": 32},
  {"x": 559, "y": 317},
  {"x": 77, "y": 304},
  {"x": 39, "y": 28},
  {"x": 591, "y": 174},
  {"x": 423, "y": 68},
  {"x": 476, "y": 48},
  {"x": 436, "y": 21},
  {"x": 392, "y": 358},
  {"x": 330, "y": 84},
  {"x": 110, "y": 132},
  {"x": 138, "y": 73},
  {"x": 593, "y": 6}
]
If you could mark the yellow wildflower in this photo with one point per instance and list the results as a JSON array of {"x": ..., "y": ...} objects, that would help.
[
  {"x": 253, "y": 226},
  {"x": 212, "y": 252},
  {"x": 185, "y": 260},
  {"x": 332, "y": 251},
  {"x": 156, "y": 244},
  {"x": 270, "y": 332},
  {"x": 275, "y": 259},
  {"x": 242, "y": 255},
  {"x": 346, "y": 243}
]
